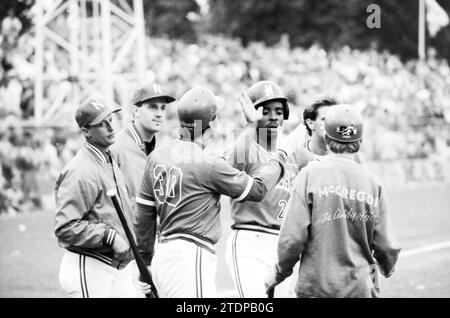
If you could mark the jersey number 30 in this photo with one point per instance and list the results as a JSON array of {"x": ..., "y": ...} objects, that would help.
[{"x": 167, "y": 185}]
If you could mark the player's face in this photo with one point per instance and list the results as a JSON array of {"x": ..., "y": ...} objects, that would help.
[
  {"x": 102, "y": 134},
  {"x": 272, "y": 115},
  {"x": 151, "y": 115},
  {"x": 319, "y": 123}
]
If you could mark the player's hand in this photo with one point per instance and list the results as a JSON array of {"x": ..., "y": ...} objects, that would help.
[
  {"x": 120, "y": 247},
  {"x": 144, "y": 287},
  {"x": 251, "y": 114},
  {"x": 271, "y": 281},
  {"x": 374, "y": 278}
]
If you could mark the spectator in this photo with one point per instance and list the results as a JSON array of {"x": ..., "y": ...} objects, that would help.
[
  {"x": 407, "y": 105},
  {"x": 11, "y": 27}
]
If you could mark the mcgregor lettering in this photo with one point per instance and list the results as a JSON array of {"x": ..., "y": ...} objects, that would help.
[{"x": 349, "y": 194}]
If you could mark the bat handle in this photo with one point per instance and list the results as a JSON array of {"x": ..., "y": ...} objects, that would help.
[
  {"x": 143, "y": 270},
  {"x": 153, "y": 293},
  {"x": 270, "y": 292}
]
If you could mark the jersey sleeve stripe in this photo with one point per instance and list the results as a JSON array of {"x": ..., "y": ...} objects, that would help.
[
  {"x": 111, "y": 236},
  {"x": 246, "y": 190},
  {"x": 144, "y": 201}
]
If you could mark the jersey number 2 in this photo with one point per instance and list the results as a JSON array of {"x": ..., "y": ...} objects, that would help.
[
  {"x": 282, "y": 204},
  {"x": 167, "y": 185}
]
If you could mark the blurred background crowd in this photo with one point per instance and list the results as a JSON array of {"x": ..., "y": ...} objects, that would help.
[{"x": 406, "y": 102}]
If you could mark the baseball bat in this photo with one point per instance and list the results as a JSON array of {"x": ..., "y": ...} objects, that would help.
[
  {"x": 143, "y": 270},
  {"x": 270, "y": 292}
]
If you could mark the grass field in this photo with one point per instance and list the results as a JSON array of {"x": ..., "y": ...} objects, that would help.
[{"x": 30, "y": 256}]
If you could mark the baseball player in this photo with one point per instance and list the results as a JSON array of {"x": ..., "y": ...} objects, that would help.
[
  {"x": 313, "y": 119},
  {"x": 182, "y": 185},
  {"x": 86, "y": 223},
  {"x": 138, "y": 140},
  {"x": 252, "y": 244},
  {"x": 337, "y": 220}
]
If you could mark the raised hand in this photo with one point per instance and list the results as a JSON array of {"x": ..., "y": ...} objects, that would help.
[{"x": 251, "y": 114}]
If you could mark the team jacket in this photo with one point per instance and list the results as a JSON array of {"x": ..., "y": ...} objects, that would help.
[
  {"x": 338, "y": 221},
  {"x": 131, "y": 152},
  {"x": 247, "y": 155},
  {"x": 86, "y": 221},
  {"x": 183, "y": 186}
]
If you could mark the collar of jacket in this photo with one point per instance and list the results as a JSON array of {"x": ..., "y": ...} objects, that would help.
[
  {"x": 146, "y": 147},
  {"x": 343, "y": 157},
  {"x": 132, "y": 131},
  {"x": 100, "y": 155}
]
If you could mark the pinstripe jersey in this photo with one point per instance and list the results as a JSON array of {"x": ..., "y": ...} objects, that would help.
[{"x": 266, "y": 216}]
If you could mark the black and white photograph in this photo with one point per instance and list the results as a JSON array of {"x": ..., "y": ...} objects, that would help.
[{"x": 237, "y": 151}]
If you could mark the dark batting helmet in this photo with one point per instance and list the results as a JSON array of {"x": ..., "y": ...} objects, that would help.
[
  {"x": 343, "y": 123},
  {"x": 197, "y": 108},
  {"x": 155, "y": 92},
  {"x": 264, "y": 91}
]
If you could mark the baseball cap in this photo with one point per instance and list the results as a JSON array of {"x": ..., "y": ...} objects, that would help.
[
  {"x": 144, "y": 94},
  {"x": 92, "y": 112}
]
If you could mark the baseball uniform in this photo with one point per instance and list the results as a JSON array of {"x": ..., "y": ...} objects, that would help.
[
  {"x": 86, "y": 225},
  {"x": 251, "y": 246},
  {"x": 182, "y": 185},
  {"x": 131, "y": 152}
]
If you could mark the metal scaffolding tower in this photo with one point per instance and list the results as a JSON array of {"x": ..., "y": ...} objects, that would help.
[{"x": 85, "y": 48}]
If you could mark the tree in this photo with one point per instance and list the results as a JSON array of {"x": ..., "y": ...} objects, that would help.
[
  {"x": 170, "y": 18},
  {"x": 330, "y": 23},
  {"x": 442, "y": 39}
]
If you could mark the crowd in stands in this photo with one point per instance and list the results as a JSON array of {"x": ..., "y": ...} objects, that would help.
[{"x": 406, "y": 105}]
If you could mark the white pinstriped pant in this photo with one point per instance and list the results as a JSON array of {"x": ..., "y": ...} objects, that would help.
[
  {"x": 250, "y": 255},
  {"x": 85, "y": 277},
  {"x": 182, "y": 269}
]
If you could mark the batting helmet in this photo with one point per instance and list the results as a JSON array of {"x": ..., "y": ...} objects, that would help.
[
  {"x": 343, "y": 123},
  {"x": 264, "y": 91},
  {"x": 145, "y": 94},
  {"x": 198, "y": 106}
]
